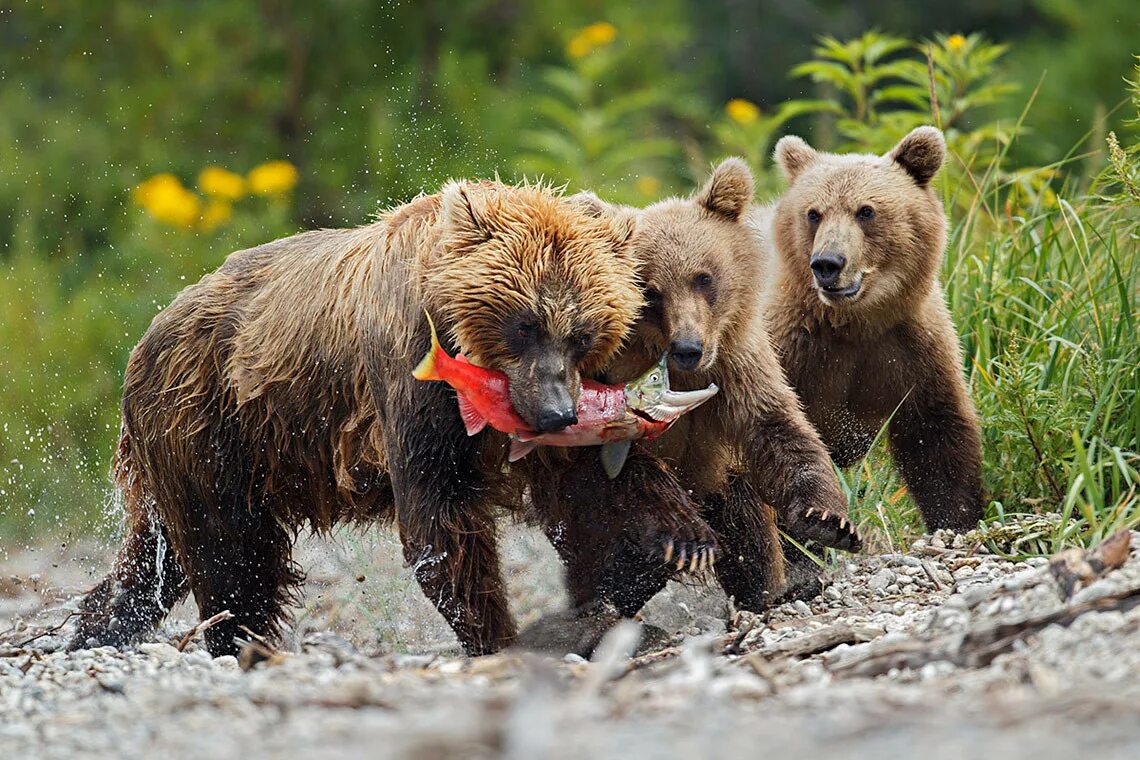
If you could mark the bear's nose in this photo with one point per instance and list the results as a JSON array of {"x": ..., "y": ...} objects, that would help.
[
  {"x": 553, "y": 420},
  {"x": 826, "y": 265},
  {"x": 687, "y": 353}
]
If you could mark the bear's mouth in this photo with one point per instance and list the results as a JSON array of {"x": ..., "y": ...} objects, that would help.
[{"x": 843, "y": 292}]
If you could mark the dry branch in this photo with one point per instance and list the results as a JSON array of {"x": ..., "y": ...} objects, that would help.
[
  {"x": 977, "y": 647},
  {"x": 202, "y": 626}
]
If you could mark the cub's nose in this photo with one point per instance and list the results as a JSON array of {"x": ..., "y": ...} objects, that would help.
[
  {"x": 553, "y": 420},
  {"x": 687, "y": 353},
  {"x": 826, "y": 265}
]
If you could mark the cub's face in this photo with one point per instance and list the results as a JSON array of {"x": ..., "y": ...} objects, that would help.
[
  {"x": 535, "y": 287},
  {"x": 698, "y": 262},
  {"x": 865, "y": 231}
]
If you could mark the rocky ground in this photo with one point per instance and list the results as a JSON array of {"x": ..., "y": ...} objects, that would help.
[{"x": 946, "y": 651}]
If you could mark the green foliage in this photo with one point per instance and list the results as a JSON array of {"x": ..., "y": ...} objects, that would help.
[{"x": 599, "y": 127}]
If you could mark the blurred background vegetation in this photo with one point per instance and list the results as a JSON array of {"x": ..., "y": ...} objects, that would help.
[{"x": 142, "y": 142}]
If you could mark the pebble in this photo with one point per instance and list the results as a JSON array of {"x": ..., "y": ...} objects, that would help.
[{"x": 881, "y": 580}]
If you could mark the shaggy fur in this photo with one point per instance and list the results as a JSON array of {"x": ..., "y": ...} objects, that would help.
[
  {"x": 701, "y": 271},
  {"x": 890, "y": 351},
  {"x": 278, "y": 393}
]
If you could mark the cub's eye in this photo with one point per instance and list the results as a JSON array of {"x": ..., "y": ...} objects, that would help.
[
  {"x": 703, "y": 280},
  {"x": 526, "y": 331},
  {"x": 652, "y": 297},
  {"x": 813, "y": 216},
  {"x": 865, "y": 213},
  {"x": 582, "y": 343}
]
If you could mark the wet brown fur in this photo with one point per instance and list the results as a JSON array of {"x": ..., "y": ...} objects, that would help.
[{"x": 277, "y": 394}]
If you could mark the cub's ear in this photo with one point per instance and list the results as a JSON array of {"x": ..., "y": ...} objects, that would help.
[
  {"x": 465, "y": 211},
  {"x": 622, "y": 219},
  {"x": 590, "y": 204},
  {"x": 793, "y": 156},
  {"x": 921, "y": 153},
  {"x": 729, "y": 190},
  {"x": 624, "y": 224}
]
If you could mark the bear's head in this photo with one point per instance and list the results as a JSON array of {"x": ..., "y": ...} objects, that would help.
[
  {"x": 860, "y": 232},
  {"x": 698, "y": 259},
  {"x": 533, "y": 285}
]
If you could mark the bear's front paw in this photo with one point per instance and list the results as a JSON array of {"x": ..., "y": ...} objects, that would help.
[
  {"x": 690, "y": 547},
  {"x": 827, "y": 528}
]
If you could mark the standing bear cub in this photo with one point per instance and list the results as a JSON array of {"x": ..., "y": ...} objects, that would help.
[
  {"x": 854, "y": 307},
  {"x": 747, "y": 451},
  {"x": 278, "y": 393}
]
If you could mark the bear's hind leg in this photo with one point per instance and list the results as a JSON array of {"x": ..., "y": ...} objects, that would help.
[
  {"x": 239, "y": 559},
  {"x": 144, "y": 584}
]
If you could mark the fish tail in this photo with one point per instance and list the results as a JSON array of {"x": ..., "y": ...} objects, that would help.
[{"x": 426, "y": 369}]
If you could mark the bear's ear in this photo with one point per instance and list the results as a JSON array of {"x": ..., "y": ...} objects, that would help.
[
  {"x": 921, "y": 153},
  {"x": 622, "y": 219},
  {"x": 624, "y": 224},
  {"x": 793, "y": 155},
  {"x": 591, "y": 205},
  {"x": 729, "y": 190},
  {"x": 465, "y": 212}
]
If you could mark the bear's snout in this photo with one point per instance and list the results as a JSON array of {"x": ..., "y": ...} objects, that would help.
[
  {"x": 686, "y": 353},
  {"x": 827, "y": 266},
  {"x": 553, "y": 419}
]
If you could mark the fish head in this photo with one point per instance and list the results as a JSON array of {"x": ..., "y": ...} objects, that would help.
[{"x": 651, "y": 396}]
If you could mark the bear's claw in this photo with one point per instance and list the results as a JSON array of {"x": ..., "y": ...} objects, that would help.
[
  {"x": 829, "y": 529},
  {"x": 691, "y": 555}
]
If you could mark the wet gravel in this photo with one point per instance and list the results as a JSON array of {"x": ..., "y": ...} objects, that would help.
[{"x": 359, "y": 679}]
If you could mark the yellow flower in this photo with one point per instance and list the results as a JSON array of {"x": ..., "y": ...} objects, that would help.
[
  {"x": 164, "y": 198},
  {"x": 601, "y": 33},
  {"x": 648, "y": 186},
  {"x": 215, "y": 215},
  {"x": 272, "y": 178},
  {"x": 578, "y": 47},
  {"x": 955, "y": 42},
  {"x": 221, "y": 183},
  {"x": 742, "y": 111},
  {"x": 590, "y": 38}
]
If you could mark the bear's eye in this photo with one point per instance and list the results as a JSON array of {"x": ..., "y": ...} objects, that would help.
[
  {"x": 652, "y": 298},
  {"x": 813, "y": 216},
  {"x": 703, "y": 281},
  {"x": 521, "y": 334},
  {"x": 581, "y": 343},
  {"x": 865, "y": 213}
]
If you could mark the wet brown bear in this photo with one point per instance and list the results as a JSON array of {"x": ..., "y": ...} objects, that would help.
[
  {"x": 278, "y": 392},
  {"x": 701, "y": 268},
  {"x": 857, "y": 315}
]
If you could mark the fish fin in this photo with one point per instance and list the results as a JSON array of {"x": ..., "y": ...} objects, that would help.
[
  {"x": 520, "y": 449},
  {"x": 472, "y": 419},
  {"x": 613, "y": 457},
  {"x": 426, "y": 369}
]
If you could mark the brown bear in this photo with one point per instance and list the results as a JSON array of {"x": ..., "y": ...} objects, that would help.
[
  {"x": 857, "y": 316},
  {"x": 277, "y": 393},
  {"x": 701, "y": 269}
]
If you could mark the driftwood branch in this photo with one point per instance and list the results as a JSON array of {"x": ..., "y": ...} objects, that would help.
[
  {"x": 977, "y": 647},
  {"x": 202, "y": 626}
]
